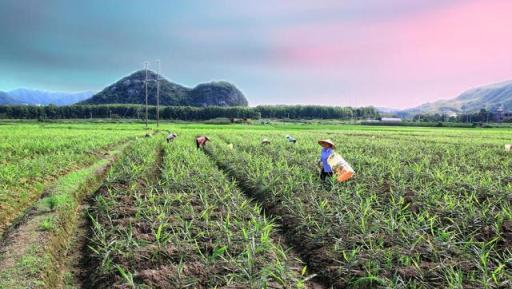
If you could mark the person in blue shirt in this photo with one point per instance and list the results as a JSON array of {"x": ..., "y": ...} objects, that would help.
[{"x": 328, "y": 148}]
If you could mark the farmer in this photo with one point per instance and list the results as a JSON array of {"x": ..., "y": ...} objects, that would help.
[
  {"x": 171, "y": 137},
  {"x": 201, "y": 141},
  {"x": 328, "y": 148},
  {"x": 265, "y": 141},
  {"x": 291, "y": 139}
]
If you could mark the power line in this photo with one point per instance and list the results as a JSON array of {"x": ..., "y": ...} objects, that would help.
[
  {"x": 157, "y": 80},
  {"x": 146, "y": 86},
  {"x": 158, "y": 94}
]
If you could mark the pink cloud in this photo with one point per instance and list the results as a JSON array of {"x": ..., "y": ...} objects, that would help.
[{"x": 414, "y": 58}]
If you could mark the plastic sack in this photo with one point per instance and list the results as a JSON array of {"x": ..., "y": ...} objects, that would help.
[{"x": 341, "y": 167}]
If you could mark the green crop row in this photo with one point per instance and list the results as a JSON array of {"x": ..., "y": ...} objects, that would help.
[
  {"x": 113, "y": 240},
  {"x": 191, "y": 229},
  {"x": 422, "y": 212}
]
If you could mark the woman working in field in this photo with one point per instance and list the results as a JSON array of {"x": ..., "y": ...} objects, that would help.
[
  {"x": 201, "y": 141},
  {"x": 328, "y": 148},
  {"x": 331, "y": 162}
]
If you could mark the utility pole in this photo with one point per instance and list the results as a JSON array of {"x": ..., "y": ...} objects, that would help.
[
  {"x": 146, "y": 86},
  {"x": 158, "y": 94}
]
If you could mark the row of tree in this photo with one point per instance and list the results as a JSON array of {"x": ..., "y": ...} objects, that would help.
[
  {"x": 316, "y": 112},
  {"x": 476, "y": 117},
  {"x": 184, "y": 112}
]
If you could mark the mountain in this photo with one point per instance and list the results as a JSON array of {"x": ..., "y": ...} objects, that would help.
[
  {"x": 220, "y": 93},
  {"x": 490, "y": 97},
  {"x": 6, "y": 99},
  {"x": 131, "y": 89},
  {"x": 41, "y": 97}
]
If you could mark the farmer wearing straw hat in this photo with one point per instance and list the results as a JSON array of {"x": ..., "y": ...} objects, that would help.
[
  {"x": 265, "y": 141},
  {"x": 201, "y": 141},
  {"x": 328, "y": 147}
]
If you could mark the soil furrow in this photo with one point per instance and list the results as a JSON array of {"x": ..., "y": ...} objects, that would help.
[
  {"x": 81, "y": 265},
  {"x": 293, "y": 246}
]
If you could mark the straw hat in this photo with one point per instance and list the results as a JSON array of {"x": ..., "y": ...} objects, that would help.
[{"x": 327, "y": 141}]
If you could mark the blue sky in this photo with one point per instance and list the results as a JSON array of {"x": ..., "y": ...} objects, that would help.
[{"x": 395, "y": 53}]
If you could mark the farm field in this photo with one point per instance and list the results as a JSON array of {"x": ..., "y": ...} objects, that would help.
[
  {"x": 32, "y": 156},
  {"x": 428, "y": 207}
]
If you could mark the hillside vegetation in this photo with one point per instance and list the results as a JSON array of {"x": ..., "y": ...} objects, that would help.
[{"x": 131, "y": 90}]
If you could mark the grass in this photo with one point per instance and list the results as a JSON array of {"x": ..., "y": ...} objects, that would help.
[
  {"x": 26, "y": 271},
  {"x": 48, "y": 224}
]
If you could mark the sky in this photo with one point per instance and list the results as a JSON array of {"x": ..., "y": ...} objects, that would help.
[{"x": 386, "y": 53}]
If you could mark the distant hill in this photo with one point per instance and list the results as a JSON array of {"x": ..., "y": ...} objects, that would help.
[
  {"x": 6, "y": 99},
  {"x": 219, "y": 93},
  {"x": 131, "y": 89},
  {"x": 490, "y": 97},
  {"x": 41, "y": 97}
]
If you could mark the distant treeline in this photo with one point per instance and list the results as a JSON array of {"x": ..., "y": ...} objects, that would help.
[
  {"x": 316, "y": 112},
  {"x": 483, "y": 116},
  {"x": 183, "y": 112}
]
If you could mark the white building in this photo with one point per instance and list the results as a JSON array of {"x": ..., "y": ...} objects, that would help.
[
  {"x": 391, "y": 119},
  {"x": 451, "y": 114}
]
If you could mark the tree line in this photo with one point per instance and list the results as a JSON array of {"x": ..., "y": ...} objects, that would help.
[
  {"x": 133, "y": 111},
  {"x": 482, "y": 116}
]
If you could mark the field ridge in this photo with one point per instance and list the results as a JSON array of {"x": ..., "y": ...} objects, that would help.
[{"x": 32, "y": 251}]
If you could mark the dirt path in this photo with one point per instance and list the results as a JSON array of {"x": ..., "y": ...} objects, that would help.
[
  {"x": 31, "y": 255},
  {"x": 17, "y": 251}
]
